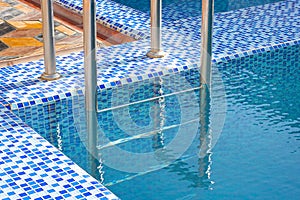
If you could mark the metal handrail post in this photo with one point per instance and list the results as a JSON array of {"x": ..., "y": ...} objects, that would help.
[
  {"x": 206, "y": 41},
  {"x": 205, "y": 90},
  {"x": 49, "y": 41},
  {"x": 156, "y": 13},
  {"x": 90, "y": 75}
]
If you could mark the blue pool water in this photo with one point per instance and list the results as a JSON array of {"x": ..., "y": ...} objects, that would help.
[
  {"x": 256, "y": 155},
  {"x": 187, "y": 5}
]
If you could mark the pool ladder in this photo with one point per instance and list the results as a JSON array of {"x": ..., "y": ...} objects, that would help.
[{"x": 90, "y": 63}]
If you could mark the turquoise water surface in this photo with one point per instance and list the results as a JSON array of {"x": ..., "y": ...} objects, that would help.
[
  {"x": 254, "y": 154},
  {"x": 220, "y": 5}
]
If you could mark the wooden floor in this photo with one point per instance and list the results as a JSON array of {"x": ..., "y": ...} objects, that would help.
[{"x": 21, "y": 32}]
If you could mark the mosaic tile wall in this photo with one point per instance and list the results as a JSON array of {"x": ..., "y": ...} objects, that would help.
[
  {"x": 31, "y": 168},
  {"x": 268, "y": 64},
  {"x": 135, "y": 22},
  {"x": 21, "y": 87},
  {"x": 112, "y": 15},
  {"x": 255, "y": 70},
  {"x": 233, "y": 38},
  {"x": 279, "y": 68},
  {"x": 61, "y": 122}
]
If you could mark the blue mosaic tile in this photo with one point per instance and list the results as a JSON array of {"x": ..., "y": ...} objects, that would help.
[
  {"x": 31, "y": 168},
  {"x": 68, "y": 111},
  {"x": 116, "y": 16},
  {"x": 135, "y": 23},
  {"x": 28, "y": 159},
  {"x": 182, "y": 48}
]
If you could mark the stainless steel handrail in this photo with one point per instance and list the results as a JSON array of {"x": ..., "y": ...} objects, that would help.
[
  {"x": 49, "y": 41},
  {"x": 156, "y": 13},
  {"x": 206, "y": 41},
  {"x": 90, "y": 75},
  {"x": 90, "y": 63}
]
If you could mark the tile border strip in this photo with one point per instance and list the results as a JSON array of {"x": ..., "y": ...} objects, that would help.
[{"x": 128, "y": 80}]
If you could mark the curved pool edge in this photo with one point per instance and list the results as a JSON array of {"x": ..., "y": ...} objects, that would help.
[{"x": 32, "y": 167}]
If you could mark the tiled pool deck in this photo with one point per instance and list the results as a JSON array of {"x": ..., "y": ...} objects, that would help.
[
  {"x": 31, "y": 168},
  {"x": 27, "y": 159}
]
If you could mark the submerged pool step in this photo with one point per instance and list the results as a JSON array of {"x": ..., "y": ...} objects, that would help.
[
  {"x": 146, "y": 100},
  {"x": 145, "y": 135},
  {"x": 130, "y": 177}
]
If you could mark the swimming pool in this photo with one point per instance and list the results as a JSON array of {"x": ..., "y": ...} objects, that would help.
[
  {"x": 256, "y": 155},
  {"x": 220, "y": 5}
]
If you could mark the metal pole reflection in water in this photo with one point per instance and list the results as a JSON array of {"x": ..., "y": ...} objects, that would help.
[
  {"x": 205, "y": 133},
  {"x": 205, "y": 89},
  {"x": 159, "y": 116},
  {"x": 156, "y": 15},
  {"x": 206, "y": 40}
]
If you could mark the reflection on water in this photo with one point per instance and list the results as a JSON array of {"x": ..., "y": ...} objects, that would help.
[
  {"x": 205, "y": 150},
  {"x": 194, "y": 6},
  {"x": 59, "y": 139},
  {"x": 258, "y": 148},
  {"x": 159, "y": 118}
]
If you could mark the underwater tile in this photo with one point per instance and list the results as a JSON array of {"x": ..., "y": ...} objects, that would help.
[
  {"x": 129, "y": 64},
  {"x": 31, "y": 168}
]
